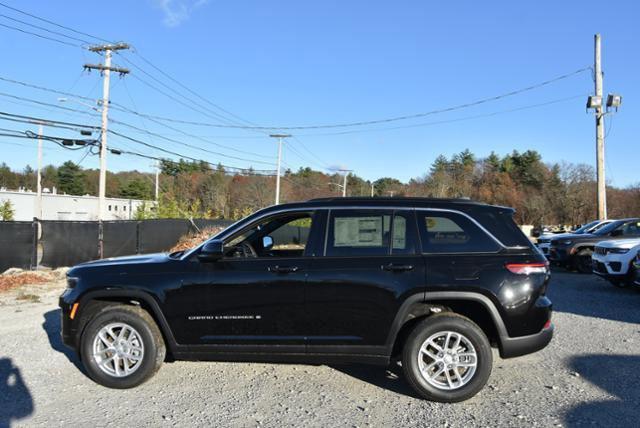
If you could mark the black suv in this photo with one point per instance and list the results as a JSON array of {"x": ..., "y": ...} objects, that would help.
[
  {"x": 435, "y": 283},
  {"x": 575, "y": 250}
]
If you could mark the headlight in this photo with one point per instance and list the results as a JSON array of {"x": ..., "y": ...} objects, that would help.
[
  {"x": 568, "y": 242},
  {"x": 618, "y": 250},
  {"x": 71, "y": 281}
]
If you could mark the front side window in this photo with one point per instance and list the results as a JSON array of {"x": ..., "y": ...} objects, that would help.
[
  {"x": 447, "y": 232},
  {"x": 279, "y": 236},
  {"x": 631, "y": 229}
]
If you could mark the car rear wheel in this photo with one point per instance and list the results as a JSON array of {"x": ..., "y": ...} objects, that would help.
[
  {"x": 122, "y": 347},
  {"x": 447, "y": 358},
  {"x": 583, "y": 261}
]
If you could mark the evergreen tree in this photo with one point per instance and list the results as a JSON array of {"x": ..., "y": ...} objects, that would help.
[{"x": 71, "y": 179}]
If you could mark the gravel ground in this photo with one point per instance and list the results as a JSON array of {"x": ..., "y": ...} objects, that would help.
[{"x": 588, "y": 375}]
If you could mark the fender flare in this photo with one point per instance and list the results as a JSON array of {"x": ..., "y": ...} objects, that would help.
[
  {"x": 423, "y": 299},
  {"x": 138, "y": 295}
]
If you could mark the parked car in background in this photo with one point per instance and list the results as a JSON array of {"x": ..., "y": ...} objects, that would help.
[
  {"x": 544, "y": 241},
  {"x": 613, "y": 260},
  {"x": 574, "y": 251}
]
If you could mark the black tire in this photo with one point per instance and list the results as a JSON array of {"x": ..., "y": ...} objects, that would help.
[
  {"x": 149, "y": 334},
  {"x": 583, "y": 261},
  {"x": 447, "y": 322},
  {"x": 631, "y": 275}
]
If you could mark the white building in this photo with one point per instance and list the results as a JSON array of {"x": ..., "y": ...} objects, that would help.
[{"x": 67, "y": 207}]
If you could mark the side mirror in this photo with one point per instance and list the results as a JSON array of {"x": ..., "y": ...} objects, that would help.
[
  {"x": 617, "y": 232},
  {"x": 267, "y": 242},
  {"x": 211, "y": 251}
]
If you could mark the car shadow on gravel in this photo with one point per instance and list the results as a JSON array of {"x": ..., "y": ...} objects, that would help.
[
  {"x": 16, "y": 401},
  {"x": 618, "y": 375},
  {"x": 390, "y": 378},
  {"x": 591, "y": 296},
  {"x": 51, "y": 326}
]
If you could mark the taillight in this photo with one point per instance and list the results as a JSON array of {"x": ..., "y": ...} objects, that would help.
[{"x": 527, "y": 268}]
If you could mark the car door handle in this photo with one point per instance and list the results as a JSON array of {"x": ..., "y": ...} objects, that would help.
[
  {"x": 283, "y": 269},
  {"x": 392, "y": 267}
]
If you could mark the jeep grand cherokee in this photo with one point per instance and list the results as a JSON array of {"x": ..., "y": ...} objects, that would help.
[{"x": 434, "y": 283}]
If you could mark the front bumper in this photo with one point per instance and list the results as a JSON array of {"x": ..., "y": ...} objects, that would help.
[
  {"x": 544, "y": 247},
  {"x": 517, "y": 346},
  {"x": 68, "y": 329},
  {"x": 611, "y": 265},
  {"x": 559, "y": 255}
]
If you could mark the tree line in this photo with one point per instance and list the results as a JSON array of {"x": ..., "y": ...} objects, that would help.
[{"x": 542, "y": 193}]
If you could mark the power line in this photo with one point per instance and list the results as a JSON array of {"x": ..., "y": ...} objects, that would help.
[
  {"x": 43, "y": 28},
  {"x": 39, "y": 35},
  {"x": 135, "y": 51},
  {"x": 52, "y": 23},
  {"x": 43, "y": 88},
  {"x": 144, "y": 130},
  {"x": 190, "y": 100},
  {"x": 49, "y": 122},
  {"x": 135, "y": 140},
  {"x": 371, "y": 122},
  {"x": 441, "y": 122}
]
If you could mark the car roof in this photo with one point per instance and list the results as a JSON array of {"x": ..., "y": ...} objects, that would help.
[{"x": 456, "y": 203}]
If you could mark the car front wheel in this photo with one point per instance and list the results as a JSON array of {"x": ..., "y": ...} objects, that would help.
[
  {"x": 447, "y": 358},
  {"x": 122, "y": 347}
]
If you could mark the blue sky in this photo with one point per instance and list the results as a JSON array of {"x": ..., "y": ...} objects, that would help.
[{"x": 304, "y": 63}]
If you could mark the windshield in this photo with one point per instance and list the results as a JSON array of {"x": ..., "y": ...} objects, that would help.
[
  {"x": 608, "y": 228},
  {"x": 586, "y": 227}
]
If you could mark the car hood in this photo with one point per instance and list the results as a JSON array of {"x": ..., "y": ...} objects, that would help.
[
  {"x": 573, "y": 236},
  {"x": 620, "y": 243},
  {"x": 126, "y": 260}
]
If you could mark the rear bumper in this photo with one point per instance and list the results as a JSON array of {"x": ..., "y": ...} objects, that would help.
[{"x": 517, "y": 346}]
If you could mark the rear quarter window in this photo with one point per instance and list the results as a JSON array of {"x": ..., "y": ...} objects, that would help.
[{"x": 447, "y": 232}]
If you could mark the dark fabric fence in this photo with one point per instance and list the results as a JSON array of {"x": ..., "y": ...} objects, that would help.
[
  {"x": 67, "y": 243},
  {"x": 120, "y": 238},
  {"x": 161, "y": 234},
  {"x": 17, "y": 244}
]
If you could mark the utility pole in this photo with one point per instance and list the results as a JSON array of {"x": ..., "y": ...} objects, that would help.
[
  {"x": 39, "y": 179},
  {"x": 106, "y": 70},
  {"x": 602, "y": 185},
  {"x": 372, "y": 189},
  {"x": 344, "y": 185},
  {"x": 279, "y": 137},
  {"x": 601, "y": 109},
  {"x": 157, "y": 181}
]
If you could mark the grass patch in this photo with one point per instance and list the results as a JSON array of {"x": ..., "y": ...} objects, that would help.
[{"x": 28, "y": 298}]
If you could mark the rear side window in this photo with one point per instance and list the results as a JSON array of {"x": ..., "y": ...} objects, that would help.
[
  {"x": 357, "y": 233},
  {"x": 446, "y": 232},
  {"x": 371, "y": 233}
]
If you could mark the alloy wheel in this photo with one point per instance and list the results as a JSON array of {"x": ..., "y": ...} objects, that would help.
[
  {"x": 118, "y": 349},
  {"x": 447, "y": 360}
]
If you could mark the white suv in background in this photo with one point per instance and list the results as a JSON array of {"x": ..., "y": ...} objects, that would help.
[{"x": 613, "y": 260}]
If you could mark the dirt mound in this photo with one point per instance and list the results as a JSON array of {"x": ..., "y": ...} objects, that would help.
[
  {"x": 9, "y": 282},
  {"x": 195, "y": 239}
]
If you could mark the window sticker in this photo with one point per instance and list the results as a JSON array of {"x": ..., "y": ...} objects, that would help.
[{"x": 358, "y": 232}]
